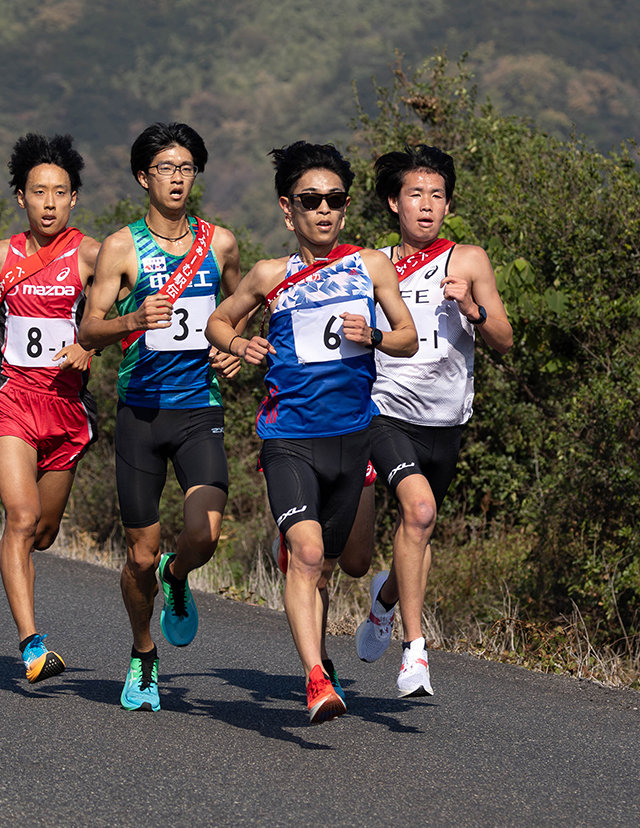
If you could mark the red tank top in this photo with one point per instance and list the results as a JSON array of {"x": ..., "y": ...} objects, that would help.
[{"x": 38, "y": 317}]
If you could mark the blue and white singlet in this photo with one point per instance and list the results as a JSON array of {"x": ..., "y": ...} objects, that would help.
[{"x": 319, "y": 383}]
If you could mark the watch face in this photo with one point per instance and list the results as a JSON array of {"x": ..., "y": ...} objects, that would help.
[{"x": 376, "y": 336}]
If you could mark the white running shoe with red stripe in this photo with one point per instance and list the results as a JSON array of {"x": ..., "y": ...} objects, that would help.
[
  {"x": 374, "y": 634},
  {"x": 414, "y": 677}
]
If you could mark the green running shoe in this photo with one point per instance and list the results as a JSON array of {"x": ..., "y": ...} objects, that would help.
[
  {"x": 140, "y": 691},
  {"x": 179, "y": 617},
  {"x": 333, "y": 676}
]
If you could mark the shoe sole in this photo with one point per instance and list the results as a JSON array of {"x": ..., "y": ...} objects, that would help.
[
  {"x": 48, "y": 665},
  {"x": 327, "y": 709},
  {"x": 145, "y": 707},
  {"x": 419, "y": 691}
]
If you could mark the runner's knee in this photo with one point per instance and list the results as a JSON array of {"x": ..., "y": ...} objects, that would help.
[
  {"x": 419, "y": 515},
  {"x": 22, "y": 522},
  {"x": 307, "y": 556}
]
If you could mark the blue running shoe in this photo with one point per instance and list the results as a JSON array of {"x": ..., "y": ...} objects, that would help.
[
  {"x": 40, "y": 662},
  {"x": 333, "y": 677},
  {"x": 179, "y": 617},
  {"x": 140, "y": 691}
]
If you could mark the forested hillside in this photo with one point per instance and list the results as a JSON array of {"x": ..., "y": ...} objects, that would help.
[{"x": 251, "y": 75}]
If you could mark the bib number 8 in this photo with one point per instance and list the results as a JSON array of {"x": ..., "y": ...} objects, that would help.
[{"x": 34, "y": 346}]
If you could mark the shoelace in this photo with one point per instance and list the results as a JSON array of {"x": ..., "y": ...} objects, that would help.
[
  {"x": 146, "y": 677},
  {"x": 178, "y": 599}
]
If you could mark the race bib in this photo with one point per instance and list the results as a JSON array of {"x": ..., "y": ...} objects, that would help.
[
  {"x": 188, "y": 324},
  {"x": 318, "y": 335},
  {"x": 432, "y": 328},
  {"x": 32, "y": 342}
]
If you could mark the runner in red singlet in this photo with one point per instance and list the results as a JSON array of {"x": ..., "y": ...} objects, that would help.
[{"x": 47, "y": 417}]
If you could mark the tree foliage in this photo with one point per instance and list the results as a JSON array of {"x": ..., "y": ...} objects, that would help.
[{"x": 553, "y": 446}]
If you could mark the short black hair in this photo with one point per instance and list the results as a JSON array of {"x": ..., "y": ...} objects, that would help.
[
  {"x": 294, "y": 161},
  {"x": 32, "y": 150},
  {"x": 158, "y": 137},
  {"x": 392, "y": 167}
]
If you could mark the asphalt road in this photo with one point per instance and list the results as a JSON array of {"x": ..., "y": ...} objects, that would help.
[{"x": 496, "y": 745}]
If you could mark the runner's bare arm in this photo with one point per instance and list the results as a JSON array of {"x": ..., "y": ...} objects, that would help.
[
  {"x": 249, "y": 296},
  {"x": 75, "y": 356},
  {"x": 226, "y": 249},
  {"x": 471, "y": 282},
  {"x": 402, "y": 339},
  {"x": 116, "y": 273}
]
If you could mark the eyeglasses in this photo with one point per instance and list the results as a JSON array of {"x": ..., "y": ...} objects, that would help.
[
  {"x": 165, "y": 168},
  {"x": 311, "y": 201}
]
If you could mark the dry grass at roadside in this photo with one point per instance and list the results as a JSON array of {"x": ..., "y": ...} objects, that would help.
[{"x": 504, "y": 635}]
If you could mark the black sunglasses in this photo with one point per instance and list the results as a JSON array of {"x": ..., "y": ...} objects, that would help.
[{"x": 311, "y": 201}]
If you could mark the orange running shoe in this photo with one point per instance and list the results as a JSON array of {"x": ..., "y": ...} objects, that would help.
[{"x": 323, "y": 702}]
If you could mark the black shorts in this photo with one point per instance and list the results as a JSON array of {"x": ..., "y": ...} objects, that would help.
[
  {"x": 319, "y": 478},
  {"x": 400, "y": 449},
  {"x": 146, "y": 438}
]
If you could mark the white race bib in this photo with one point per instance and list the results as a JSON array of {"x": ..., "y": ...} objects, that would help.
[
  {"x": 188, "y": 324},
  {"x": 318, "y": 334},
  {"x": 432, "y": 328},
  {"x": 32, "y": 342}
]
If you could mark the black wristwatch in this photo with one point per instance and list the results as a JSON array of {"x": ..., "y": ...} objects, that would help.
[
  {"x": 376, "y": 337},
  {"x": 482, "y": 317}
]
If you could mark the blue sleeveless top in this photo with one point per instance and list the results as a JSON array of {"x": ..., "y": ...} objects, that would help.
[
  {"x": 169, "y": 367},
  {"x": 318, "y": 383}
]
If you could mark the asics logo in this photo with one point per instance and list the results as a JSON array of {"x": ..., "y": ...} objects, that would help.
[
  {"x": 217, "y": 430},
  {"x": 402, "y": 466},
  {"x": 63, "y": 274},
  {"x": 48, "y": 290},
  {"x": 293, "y": 511}
]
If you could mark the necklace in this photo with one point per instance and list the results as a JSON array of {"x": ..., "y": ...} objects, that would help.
[{"x": 166, "y": 238}]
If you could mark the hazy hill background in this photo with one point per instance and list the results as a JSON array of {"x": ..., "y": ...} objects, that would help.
[{"x": 251, "y": 75}]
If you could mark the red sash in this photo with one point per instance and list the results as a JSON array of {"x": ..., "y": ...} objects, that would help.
[
  {"x": 409, "y": 264},
  {"x": 182, "y": 276},
  {"x": 38, "y": 260},
  {"x": 339, "y": 252}
]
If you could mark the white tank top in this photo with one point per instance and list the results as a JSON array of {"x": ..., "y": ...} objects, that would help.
[{"x": 434, "y": 387}]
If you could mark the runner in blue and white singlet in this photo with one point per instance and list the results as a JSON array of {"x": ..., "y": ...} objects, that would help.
[
  {"x": 318, "y": 382},
  {"x": 319, "y": 352}
]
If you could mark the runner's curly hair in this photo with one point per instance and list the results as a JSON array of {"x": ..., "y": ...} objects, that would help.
[
  {"x": 294, "y": 161},
  {"x": 32, "y": 150},
  {"x": 160, "y": 136},
  {"x": 392, "y": 167}
]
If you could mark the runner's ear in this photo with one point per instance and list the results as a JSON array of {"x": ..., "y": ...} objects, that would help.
[
  {"x": 74, "y": 198},
  {"x": 393, "y": 203},
  {"x": 141, "y": 175},
  {"x": 285, "y": 206},
  {"x": 344, "y": 212},
  {"x": 20, "y": 199}
]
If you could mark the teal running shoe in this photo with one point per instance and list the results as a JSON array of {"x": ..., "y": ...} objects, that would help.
[
  {"x": 140, "y": 691},
  {"x": 333, "y": 676},
  {"x": 40, "y": 662},
  {"x": 179, "y": 617}
]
